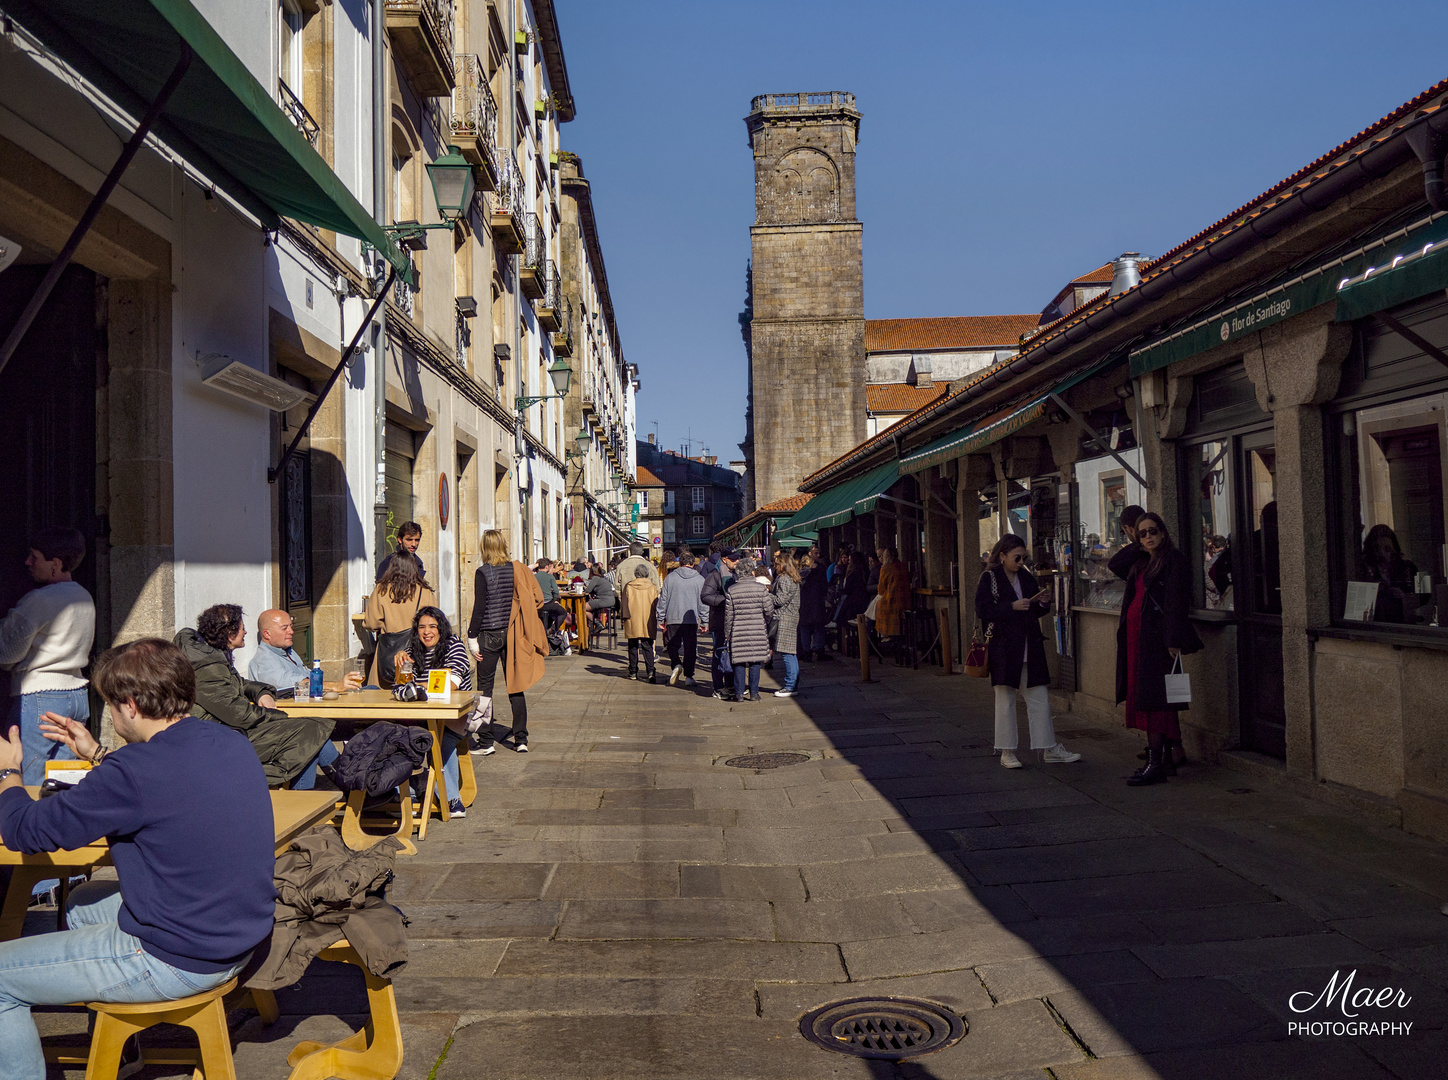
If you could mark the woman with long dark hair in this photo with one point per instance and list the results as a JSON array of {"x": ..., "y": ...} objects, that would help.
[
  {"x": 396, "y": 599},
  {"x": 1383, "y": 562},
  {"x": 434, "y": 646},
  {"x": 1154, "y": 631},
  {"x": 1009, "y": 600}
]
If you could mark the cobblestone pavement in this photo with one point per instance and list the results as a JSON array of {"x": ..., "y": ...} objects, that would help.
[{"x": 620, "y": 904}]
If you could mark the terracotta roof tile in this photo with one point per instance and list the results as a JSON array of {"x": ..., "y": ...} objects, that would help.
[
  {"x": 954, "y": 332},
  {"x": 1102, "y": 275},
  {"x": 790, "y": 503},
  {"x": 645, "y": 478},
  {"x": 900, "y": 397}
]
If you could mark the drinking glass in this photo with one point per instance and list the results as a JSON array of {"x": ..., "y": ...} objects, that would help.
[
  {"x": 404, "y": 670},
  {"x": 359, "y": 668},
  {"x": 302, "y": 690}
]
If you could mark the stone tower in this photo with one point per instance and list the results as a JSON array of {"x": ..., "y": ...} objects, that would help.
[{"x": 806, "y": 332}]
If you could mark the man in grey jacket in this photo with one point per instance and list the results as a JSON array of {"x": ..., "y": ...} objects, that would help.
[{"x": 681, "y": 611}]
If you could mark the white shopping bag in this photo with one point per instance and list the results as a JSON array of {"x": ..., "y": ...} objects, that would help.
[
  {"x": 1178, "y": 685},
  {"x": 482, "y": 714}
]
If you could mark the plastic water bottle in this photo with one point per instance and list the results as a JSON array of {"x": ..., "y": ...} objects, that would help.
[{"x": 317, "y": 680}]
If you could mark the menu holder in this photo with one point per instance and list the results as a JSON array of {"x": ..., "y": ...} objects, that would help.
[
  {"x": 1362, "y": 600},
  {"x": 439, "y": 687}
]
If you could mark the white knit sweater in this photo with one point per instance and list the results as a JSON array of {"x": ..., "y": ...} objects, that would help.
[{"x": 46, "y": 638}]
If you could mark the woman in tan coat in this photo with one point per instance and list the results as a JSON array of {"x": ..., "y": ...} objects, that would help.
[
  {"x": 640, "y": 621},
  {"x": 894, "y": 593},
  {"x": 505, "y": 626},
  {"x": 394, "y": 603}
]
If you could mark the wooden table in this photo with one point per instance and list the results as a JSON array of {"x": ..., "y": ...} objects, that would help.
[
  {"x": 577, "y": 605},
  {"x": 371, "y": 706},
  {"x": 293, "y": 813}
]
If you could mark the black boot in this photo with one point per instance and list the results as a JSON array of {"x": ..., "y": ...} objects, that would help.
[
  {"x": 1154, "y": 773},
  {"x": 1168, "y": 757}
]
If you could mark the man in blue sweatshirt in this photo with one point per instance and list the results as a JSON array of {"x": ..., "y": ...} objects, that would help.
[{"x": 185, "y": 808}]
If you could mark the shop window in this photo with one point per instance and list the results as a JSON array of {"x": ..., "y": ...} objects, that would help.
[
  {"x": 1104, "y": 490},
  {"x": 1394, "y": 555},
  {"x": 1208, "y": 505}
]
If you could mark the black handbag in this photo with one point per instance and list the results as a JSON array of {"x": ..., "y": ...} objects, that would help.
[{"x": 389, "y": 645}]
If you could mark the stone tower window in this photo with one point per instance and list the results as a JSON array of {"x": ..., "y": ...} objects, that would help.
[{"x": 807, "y": 187}]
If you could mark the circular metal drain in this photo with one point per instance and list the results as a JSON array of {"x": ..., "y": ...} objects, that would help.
[
  {"x": 765, "y": 761},
  {"x": 889, "y": 1028}
]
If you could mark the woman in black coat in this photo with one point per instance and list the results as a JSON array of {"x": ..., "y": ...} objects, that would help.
[
  {"x": 1154, "y": 631},
  {"x": 856, "y": 597},
  {"x": 812, "y": 615},
  {"x": 1010, "y": 603}
]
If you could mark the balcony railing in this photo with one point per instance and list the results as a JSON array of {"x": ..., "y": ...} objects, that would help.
[
  {"x": 552, "y": 298},
  {"x": 563, "y": 335},
  {"x": 297, "y": 113},
  {"x": 791, "y": 102},
  {"x": 475, "y": 119},
  {"x": 506, "y": 210},
  {"x": 402, "y": 296},
  {"x": 422, "y": 41},
  {"x": 532, "y": 274}
]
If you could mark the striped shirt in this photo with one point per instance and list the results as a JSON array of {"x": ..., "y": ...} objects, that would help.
[{"x": 453, "y": 655}]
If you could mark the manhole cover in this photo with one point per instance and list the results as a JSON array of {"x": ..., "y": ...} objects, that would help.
[
  {"x": 891, "y": 1028},
  {"x": 765, "y": 761}
]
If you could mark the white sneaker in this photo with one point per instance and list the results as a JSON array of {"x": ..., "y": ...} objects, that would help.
[
  {"x": 690, "y": 682},
  {"x": 784, "y": 693},
  {"x": 1009, "y": 759},
  {"x": 1058, "y": 754},
  {"x": 676, "y": 675},
  {"x": 485, "y": 751},
  {"x": 830, "y": 625}
]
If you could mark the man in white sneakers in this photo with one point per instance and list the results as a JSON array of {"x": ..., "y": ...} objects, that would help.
[{"x": 45, "y": 642}]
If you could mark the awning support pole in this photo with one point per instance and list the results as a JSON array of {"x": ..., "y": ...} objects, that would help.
[
  {"x": 97, "y": 203},
  {"x": 1091, "y": 434},
  {"x": 272, "y": 474},
  {"x": 1414, "y": 339}
]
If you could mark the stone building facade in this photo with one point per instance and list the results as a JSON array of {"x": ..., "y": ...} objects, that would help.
[{"x": 806, "y": 332}]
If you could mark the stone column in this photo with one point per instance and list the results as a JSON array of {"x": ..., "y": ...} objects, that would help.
[
  {"x": 972, "y": 475},
  {"x": 1296, "y": 367},
  {"x": 139, "y": 473}
]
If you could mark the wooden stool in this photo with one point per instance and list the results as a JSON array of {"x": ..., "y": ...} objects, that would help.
[
  {"x": 204, "y": 1014},
  {"x": 357, "y": 840}
]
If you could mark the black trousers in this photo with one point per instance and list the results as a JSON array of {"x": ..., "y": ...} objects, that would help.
[
  {"x": 493, "y": 645},
  {"x": 683, "y": 638},
  {"x": 553, "y": 615},
  {"x": 637, "y": 645}
]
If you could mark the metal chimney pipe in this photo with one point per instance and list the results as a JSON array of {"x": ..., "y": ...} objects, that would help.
[{"x": 1124, "y": 274}]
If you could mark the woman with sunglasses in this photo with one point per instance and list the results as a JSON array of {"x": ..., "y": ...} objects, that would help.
[{"x": 1154, "y": 631}]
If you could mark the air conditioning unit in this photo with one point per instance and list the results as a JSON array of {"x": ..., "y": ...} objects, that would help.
[{"x": 245, "y": 382}]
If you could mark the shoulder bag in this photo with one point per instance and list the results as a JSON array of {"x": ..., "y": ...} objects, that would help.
[
  {"x": 389, "y": 645},
  {"x": 977, "y": 658}
]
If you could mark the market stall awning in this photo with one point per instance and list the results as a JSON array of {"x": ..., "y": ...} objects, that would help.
[
  {"x": 1405, "y": 277},
  {"x": 838, "y": 504},
  {"x": 222, "y": 121},
  {"x": 993, "y": 428},
  {"x": 802, "y": 540},
  {"x": 1393, "y": 269}
]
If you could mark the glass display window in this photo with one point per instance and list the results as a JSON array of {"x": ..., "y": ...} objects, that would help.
[{"x": 1103, "y": 492}]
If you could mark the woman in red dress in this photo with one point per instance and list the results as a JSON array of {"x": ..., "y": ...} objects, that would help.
[{"x": 1154, "y": 631}]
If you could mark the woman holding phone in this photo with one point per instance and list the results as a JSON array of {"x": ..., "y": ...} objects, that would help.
[{"x": 1011, "y": 602}]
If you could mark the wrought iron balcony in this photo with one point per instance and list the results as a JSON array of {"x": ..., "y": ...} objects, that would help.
[
  {"x": 505, "y": 210},
  {"x": 532, "y": 274},
  {"x": 836, "y": 99},
  {"x": 552, "y": 298},
  {"x": 475, "y": 120},
  {"x": 297, "y": 113},
  {"x": 563, "y": 336},
  {"x": 422, "y": 41}
]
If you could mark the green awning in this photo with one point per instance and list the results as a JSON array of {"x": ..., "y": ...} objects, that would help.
[
  {"x": 1406, "y": 277},
  {"x": 222, "y": 121},
  {"x": 972, "y": 438},
  {"x": 1390, "y": 270},
  {"x": 838, "y": 504},
  {"x": 803, "y": 540}
]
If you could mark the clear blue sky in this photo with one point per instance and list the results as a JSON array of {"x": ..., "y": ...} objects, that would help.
[{"x": 1005, "y": 147}]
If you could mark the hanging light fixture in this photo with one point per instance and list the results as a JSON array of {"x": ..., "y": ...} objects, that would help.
[{"x": 452, "y": 184}]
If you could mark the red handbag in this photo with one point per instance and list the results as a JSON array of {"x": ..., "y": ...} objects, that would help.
[{"x": 977, "y": 657}]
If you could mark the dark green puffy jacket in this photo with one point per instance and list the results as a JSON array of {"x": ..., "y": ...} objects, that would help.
[{"x": 285, "y": 744}]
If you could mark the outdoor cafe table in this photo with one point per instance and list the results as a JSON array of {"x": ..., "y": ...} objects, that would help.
[
  {"x": 293, "y": 813},
  {"x": 370, "y": 706},
  {"x": 577, "y": 605}
]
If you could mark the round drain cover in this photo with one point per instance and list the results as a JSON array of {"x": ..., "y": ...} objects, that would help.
[
  {"x": 765, "y": 761},
  {"x": 891, "y": 1028}
]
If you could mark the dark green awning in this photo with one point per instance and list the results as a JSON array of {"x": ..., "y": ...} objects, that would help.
[
  {"x": 222, "y": 121},
  {"x": 1406, "y": 277},
  {"x": 838, "y": 504}
]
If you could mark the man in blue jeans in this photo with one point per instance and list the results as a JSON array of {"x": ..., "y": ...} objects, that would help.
[
  {"x": 184, "y": 805},
  {"x": 45, "y": 641}
]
